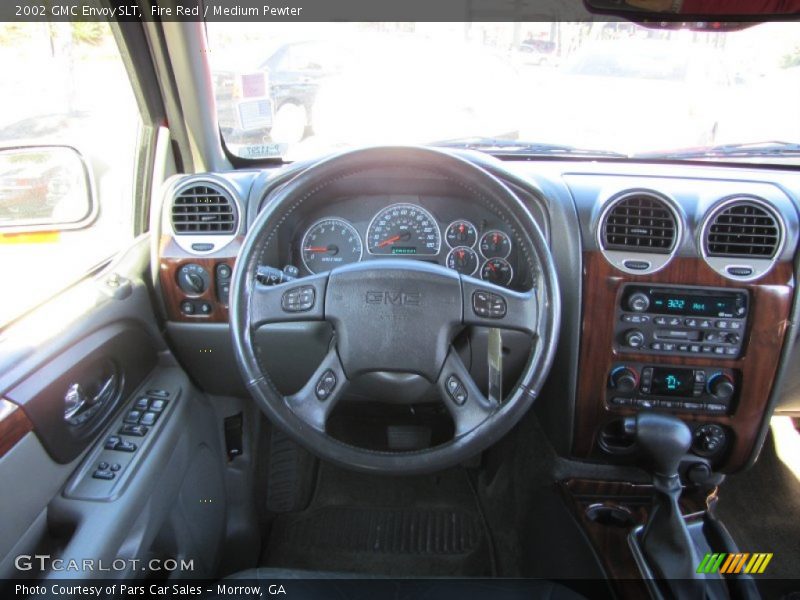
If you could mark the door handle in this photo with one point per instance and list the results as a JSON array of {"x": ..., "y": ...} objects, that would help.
[{"x": 79, "y": 406}]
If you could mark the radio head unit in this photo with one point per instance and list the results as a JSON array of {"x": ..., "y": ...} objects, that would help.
[{"x": 683, "y": 321}]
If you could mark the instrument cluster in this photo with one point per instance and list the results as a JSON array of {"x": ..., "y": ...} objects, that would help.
[{"x": 409, "y": 230}]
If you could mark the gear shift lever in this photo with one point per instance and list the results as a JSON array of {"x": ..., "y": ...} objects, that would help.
[{"x": 663, "y": 441}]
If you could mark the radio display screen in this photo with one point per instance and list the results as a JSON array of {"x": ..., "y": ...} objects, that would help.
[
  {"x": 672, "y": 382},
  {"x": 697, "y": 305}
]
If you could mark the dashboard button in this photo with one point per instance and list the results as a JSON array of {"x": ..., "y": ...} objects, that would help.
[{"x": 660, "y": 321}]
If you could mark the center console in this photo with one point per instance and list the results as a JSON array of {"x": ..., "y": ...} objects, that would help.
[{"x": 682, "y": 340}]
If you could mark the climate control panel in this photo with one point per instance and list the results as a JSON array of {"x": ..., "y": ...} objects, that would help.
[
  {"x": 707, "y": 390},
  {"x": 681, "y": 321}
]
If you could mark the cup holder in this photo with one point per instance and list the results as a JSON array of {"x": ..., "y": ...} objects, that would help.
[
  {"x": 617, "y": 437},
  {"x": 612, "y": 515}
]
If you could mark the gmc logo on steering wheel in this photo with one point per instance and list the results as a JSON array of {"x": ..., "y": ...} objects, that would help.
[{"x": 397, "y": 298}]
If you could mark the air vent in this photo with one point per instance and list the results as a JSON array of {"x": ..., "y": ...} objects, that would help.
[
  {"x": 640, "y": 223},
  {"x": 203, "y": 209},
  {"x": 743, "y": 229}
]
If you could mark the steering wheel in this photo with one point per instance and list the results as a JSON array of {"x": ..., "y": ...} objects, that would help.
[{"x": 396, "y": 315}]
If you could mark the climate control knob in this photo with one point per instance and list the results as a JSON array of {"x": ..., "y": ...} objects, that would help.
[
  {"x": 634, "y": 338},
  {"x": 638, "y": 302},
  {"x": 624, "y": 379},
  {"x": 721, "y": 386}
]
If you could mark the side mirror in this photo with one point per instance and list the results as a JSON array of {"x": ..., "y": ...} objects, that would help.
[{"x": 44, "y": 188}]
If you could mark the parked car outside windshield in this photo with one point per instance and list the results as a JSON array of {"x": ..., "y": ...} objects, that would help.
[{"x": 614, "y": 87}]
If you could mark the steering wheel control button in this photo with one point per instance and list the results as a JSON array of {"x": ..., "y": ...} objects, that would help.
[
  {"x": 456, "y": 390},
  {"x": 299, "y": 299},
  {"x": 488, "y": 305},
  {"x": 325, "y": 385}
]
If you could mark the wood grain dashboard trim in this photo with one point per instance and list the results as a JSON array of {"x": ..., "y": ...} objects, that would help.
[
  {"x": 14, "y": 425},
  {"x": 171, "y": 258},
  {"x": 771, "y": 299}
]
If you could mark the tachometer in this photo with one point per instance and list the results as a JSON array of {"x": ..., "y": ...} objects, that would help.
[
  {"x": 330, "y": 243},
  {"x": 403, "y": 229}
]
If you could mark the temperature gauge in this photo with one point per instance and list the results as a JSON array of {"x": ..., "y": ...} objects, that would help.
[
  {"x": 495, "y": 244},
  {"x": 461, "y": 233},
  {"x": 497, "y": 271},
  {"x": 463, "y": 259}
]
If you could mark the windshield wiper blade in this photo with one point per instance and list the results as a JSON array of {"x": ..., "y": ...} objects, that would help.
[
  {"x": 730, "y": 151},
  {"x": 522, "y": 148}
]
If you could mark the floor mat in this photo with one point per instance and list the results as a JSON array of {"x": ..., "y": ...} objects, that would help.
[
  {"x": 404, "y": 526},
  {"x": 761, "y": 510}
]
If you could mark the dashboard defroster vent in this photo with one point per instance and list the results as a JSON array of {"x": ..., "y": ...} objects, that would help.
[
  {"x": 203, "y": 209},
  {"x": 641, "y": 223},
  {"x": 743, "y": 229}
]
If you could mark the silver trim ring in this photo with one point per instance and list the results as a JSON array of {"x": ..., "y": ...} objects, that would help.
[
  {"x": 657, "y": 260},
  {"x": 505, "y": 235},
  {"x": 415, "y": 207},
  {"x": 345, "y": 222},
  {"x": 760, "y": 266},
  {"x": 446, "y": 229}
]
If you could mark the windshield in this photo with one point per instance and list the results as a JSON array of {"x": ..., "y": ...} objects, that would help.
[{"x": 299, "y": 90}]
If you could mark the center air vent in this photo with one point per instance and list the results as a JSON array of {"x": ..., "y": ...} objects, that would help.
[
  {"x": 641, "y": 223},
  {"x": 743, "y": 229},
  {"x": 203, "y": 209}
]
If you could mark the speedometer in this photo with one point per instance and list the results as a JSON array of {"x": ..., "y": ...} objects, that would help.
[{"x": 403, "y": 229}]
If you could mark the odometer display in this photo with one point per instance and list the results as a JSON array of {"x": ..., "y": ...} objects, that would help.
[
  {"x": 330, "y": 243},
  {"x": 403, "y": 229}
]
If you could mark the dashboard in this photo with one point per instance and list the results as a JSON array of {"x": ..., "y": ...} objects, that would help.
[
  {"x": 677, "y": 281},
  {"x": 443, "y": 230}
]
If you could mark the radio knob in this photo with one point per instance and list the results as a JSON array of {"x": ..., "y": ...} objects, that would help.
[
  {"x": 624, "y": 379},
  {"x": 721, "y": 387},
  {"x": 638, "y": 302},
  {"x": 634, "y": 338}
]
